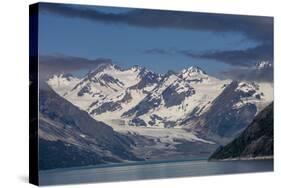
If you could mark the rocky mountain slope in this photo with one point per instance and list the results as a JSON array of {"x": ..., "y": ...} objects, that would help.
[
  {"x": 70, "y": 137},
  {"x": 191, "y": 100},
  {"x": 230, "y": 112},
  {"x": 255, "y": 141}
]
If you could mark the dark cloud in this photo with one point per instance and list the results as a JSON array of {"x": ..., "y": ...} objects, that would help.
[
  {"x": 261, "y": 75},
  {"x": 54, "y": 64},
  {"x": 247, "y": 57},
  {"x": 254, "y": 27}
]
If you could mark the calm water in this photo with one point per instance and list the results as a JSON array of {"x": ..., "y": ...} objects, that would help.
[{"x": 150, "y": 171}]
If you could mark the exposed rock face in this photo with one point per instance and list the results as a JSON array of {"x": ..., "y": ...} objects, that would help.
[
  {"x": 105, "y": 107},
  {"x": 255, "y": 141},
  {"x": 144, "y": 106},
  {"x": 147, "y": 78},
  {"x": 173, "y": 95}
]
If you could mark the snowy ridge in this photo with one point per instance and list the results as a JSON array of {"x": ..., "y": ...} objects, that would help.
[
  {"x": 137, "y": 98},
  {"x": 62, "y": 83}
]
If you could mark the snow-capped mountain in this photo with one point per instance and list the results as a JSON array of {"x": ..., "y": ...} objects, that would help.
[
  {"x": 193, "y": 74},
  {"x": 264, "y": 65},
  {"x": 63, "y": 83},
  {"x": 232, "y": 110},
  {"x": 190, "y": 99},
  {"x": 176, "y": 97}
]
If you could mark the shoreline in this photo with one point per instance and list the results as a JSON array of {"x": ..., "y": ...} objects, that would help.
[
  {"x": 135, "y": 163},
  {"x": 157, "y": 162},
  {"x": 244, "y": 158}
]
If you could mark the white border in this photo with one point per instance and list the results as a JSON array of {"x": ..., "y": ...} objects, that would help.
[{"x": 14, "y": 90}]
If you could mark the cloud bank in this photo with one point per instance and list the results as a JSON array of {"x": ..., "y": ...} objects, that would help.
[
  {"x": 263, "y": 75},
  {"x": 257, "y": 28},
  {"x": 254, "y": 27},
  {"x": 244, "y": 58},
  {"x": 55, "y": 64},
  {"x": 247, "y": 57}
]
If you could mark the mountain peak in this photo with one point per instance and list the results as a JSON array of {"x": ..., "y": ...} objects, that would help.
[
  {"x": 103, "y": 67},
  {"x": 193, "y": 71},
  {"x": 136, "y": 68},
  {"x": 196, "y": 69}
]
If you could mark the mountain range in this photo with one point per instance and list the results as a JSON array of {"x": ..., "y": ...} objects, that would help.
[
  {"x": 114, "y": 115},
  {"x": 210, "y": 108}
]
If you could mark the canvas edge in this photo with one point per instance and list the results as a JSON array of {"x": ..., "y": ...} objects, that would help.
[{"x": 33, "y": 94}]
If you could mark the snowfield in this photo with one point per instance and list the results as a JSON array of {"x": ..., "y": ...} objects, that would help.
[{"x": 139, "y": 101}]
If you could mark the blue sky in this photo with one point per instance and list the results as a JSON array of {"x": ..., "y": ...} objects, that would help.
[{"x": 160, "y": 48}]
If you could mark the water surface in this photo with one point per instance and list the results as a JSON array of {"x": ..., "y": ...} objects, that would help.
[{"x": 151, "y": 171}]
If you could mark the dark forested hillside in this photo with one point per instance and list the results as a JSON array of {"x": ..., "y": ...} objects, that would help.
[{"x": 255, "y": 141}]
